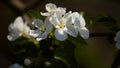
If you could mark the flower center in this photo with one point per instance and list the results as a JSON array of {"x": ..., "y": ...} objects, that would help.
[
  {"x": 42, "y": 29},
  {"x": 61, "y": 25}
]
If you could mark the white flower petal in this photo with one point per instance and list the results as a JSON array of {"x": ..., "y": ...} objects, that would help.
[
  {"x": 117, "y": 39},
  {"x": 54, "y": 20},
  {"x": 60, "y": 11},
  {"x": 77, "y": 22},
  {"x": 46, "y": 14},
  {"x": 18, "y": 24},
  {"x": 41, "y": 37},
  {"x": 37, "y": 23},
  {"x": 13, "y": 36},
  {"x": 50, "y": 7},
  {"x": 82, "y": 21},
  {"x": 78, "y": 19},
  {"x": 17, "y": 28},
  {"x": 34, "y": 33},
  {"x": 13, "y": 29},
  {"x": 19, "y": 21},
  {"x": 118, "y": 45},
  {"x": 43, "y": 29},
  {"x": 75, "y": 16},
  {"x": 67, "y": 15},
  {"x": 48, "y": 26},
  {"x": 72, "y": 31},
  {"x": 84, "y": 32},
  {"x": 60, "y": 35},
  {"x": 26, "y": 29}
]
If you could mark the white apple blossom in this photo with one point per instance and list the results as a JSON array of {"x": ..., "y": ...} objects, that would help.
[
  {"x": 52, "y": 8},
  {"x": 43, "y": 29},
  {"x": 79, "y": 24},
  {"x": 62, "y": 29},
  {"x": 27, "y": 61},
  {"x": 117, "y": 39},
  {"x": 16, "y": 65},
  {"x": 18, "y": 28}
]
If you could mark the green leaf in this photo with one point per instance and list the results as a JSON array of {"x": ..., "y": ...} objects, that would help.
[
  {"x": 23, "y": 45},
  {"x": 111, "y": 23},
  {"x": 23, "y": 48},
  {"x": 55, "y": 64},
  {"x": 66, "y": 54},
  {"x": 35, "y": 14},
  {"x": 107, "y": 20}
]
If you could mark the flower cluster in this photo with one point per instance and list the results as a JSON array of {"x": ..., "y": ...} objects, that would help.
[
  {"x": 18, "y": 28},
  {"x": 117, "y": 39},
  {"x": 57, "y": 23},
  {"x": 64, "y": 23}
]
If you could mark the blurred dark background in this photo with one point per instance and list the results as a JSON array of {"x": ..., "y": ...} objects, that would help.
[{"x": 98, "y": 54}]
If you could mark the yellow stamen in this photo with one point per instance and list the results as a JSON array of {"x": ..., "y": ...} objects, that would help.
[
  {"x": 62, "y": 25},
  {"x": 42, "y": 28}
]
